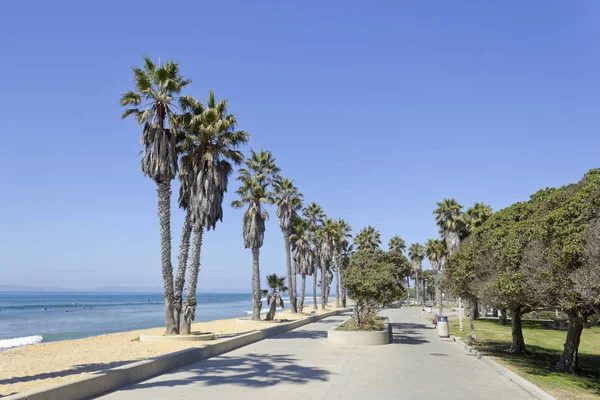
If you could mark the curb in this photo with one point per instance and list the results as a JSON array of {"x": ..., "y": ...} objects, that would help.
[
  {"x": 526, "y": 385},
  {"x": 116, "y": 378}
]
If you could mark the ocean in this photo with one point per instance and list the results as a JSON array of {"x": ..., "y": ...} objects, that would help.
[{"x": 28, "y": 318}]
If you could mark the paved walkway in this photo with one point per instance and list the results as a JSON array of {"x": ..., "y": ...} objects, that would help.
[{"x": 300, "y": 364}]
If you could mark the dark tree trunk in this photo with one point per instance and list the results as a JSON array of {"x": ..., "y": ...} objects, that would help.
[
  {"x": 189, "y": 307},
  {"x": 417, "y": 288},
  {"x": 256, "y": 301},
  {"x": 472, "y": 313},
  {"x": 408, "y": 289},
  {"x": 337, "y": 285},
  {"x": 288, "y": 263},
  {"x": 184, "y": 247},
  {"x": 343, "y": 291},
  {"x": 569, "y": 360},
  {"x": 272, "y": 310},
  {"x": 518, "y": 342},
  {"x": 438, "y": 294},
  {"x": 323, "y": 287},
  {"x": 302, "y": 293},
  {"x": 315, "y": 304},
  {"x": 475, "y": 308},
  {"x": 164, "y": 217}
]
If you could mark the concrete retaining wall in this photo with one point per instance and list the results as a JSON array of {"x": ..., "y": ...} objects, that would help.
[
  {"x": 357, "y": 338},
  {"x": 107, "y": 381}
]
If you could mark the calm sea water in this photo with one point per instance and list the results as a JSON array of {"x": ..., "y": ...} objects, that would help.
[{"x": 27, "y": 318}]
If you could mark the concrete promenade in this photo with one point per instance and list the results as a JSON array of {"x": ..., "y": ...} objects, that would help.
[{"x": 300, "y": 364}]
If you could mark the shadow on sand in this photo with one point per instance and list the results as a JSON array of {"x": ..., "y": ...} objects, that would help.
[{"x": 252, "y": 370}]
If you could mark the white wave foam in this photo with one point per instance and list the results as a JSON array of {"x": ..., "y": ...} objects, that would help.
[{"x": 20, "y": 341}]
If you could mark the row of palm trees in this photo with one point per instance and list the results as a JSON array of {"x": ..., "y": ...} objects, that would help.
[{"x": 199, "y": 143}]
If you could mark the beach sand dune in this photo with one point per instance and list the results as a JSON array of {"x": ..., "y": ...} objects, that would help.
[{"x": 46, "y": 364}]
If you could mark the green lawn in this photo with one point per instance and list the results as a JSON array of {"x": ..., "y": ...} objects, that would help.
[{"x": 545, "y": 347}]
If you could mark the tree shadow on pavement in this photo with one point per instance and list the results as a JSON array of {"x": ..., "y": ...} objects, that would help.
[
  {"x": 405, "y": 333},
  {"x": 252, "y": 370},
  {"x": 302, "y": 335}
]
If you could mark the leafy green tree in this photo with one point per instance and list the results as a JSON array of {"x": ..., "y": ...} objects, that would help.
[
  {"x": 289, "y": 202},
  {"x": 151, "y": 103},
  {"x": 274, "y": 294},
  {"x": 435, "y": 251},
  {"x": 209, "y": 149},
  {"x": 368, "y": 238},
  {"x": 254, "y": 192},
  {"x": 314, "y": 215},
  {"x": 302, "y": 251},
  {"x": 372, "y": 284},
  {"x": 416, "y": 253}
]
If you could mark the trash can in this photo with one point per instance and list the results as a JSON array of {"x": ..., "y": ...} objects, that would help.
[{"x": 442, "y": 326}]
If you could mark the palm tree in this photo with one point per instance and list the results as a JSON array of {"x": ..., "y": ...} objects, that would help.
[
  {"x": 254, "y": 191},
  {"x": 345, "y": 252},
  {"x": 342, "y": 234},
  {"x": 209, "y": 148},
  {"x": 368, "y": 238},
  {"x": 152, "y": 105},
  {"x": 448, "y": 218},
  {"x": 274, "y": 298},
  {"x": 326, "y": 235},
  {"x": 303, "y": 254},
  {"x": 398, "y": 244},
  {"x": 416, "y": 253},
  {"x": 289, "y": 202},
  {"x": 477, "y": 215},
  {"x": 314, "y": 215},
  {"x": 435, "y": 249}
]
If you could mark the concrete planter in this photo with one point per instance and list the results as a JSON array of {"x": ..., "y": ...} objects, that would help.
[
  {"x": 192, "y": 337},
  {"x": 358, "y": 338}
]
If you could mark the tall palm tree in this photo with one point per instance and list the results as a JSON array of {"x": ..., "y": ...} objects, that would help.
[
  {"x": 478, "y": 214},
  {"x": 345, "y": 252},
  {"x": 289, "y": 202},
  {"x": 368, "y": 238},
  {"x": 209, "y": 148},
  {"x": 326, "y": 234},
  {"x": 302, "y": 251},
  {"x": 151, "y": 103},
  {"x": 342, "y": 234},
  {"x": 254, "y": 191},
  {"x": 275, "y": 295},
  {"x": 398, "y": 244},
  {"x": 435, "y": 251},
  {"x": 314, "y": 215},
  {"x": 416, "y": 253},
  {"x": 448, "y": 218}
]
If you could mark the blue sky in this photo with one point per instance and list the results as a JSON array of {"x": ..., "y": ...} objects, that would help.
[{"x": 376, "y": 109}]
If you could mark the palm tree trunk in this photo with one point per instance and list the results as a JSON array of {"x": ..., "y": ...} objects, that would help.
[
  {"x": 337, "y": 284},
  {"x": 417, "y": 287},
  {"x": 288, "y": 263},
  {"x": 184, "y": 247},
  {"x": 323, "y": 287},
  {"x": 294, "y": 275},
  {"x": 189, "y": 308},
  {"x": 438, "y": 295},
  {"x": 164, "y": 218},
  {"x": 343, "y": 291},
  {"x": 315, "y": 304},
  {"x": 256, "y": 302},
  {"x": 408, "y": 289},
  {"x": 271, "y": 314},
  {"x": 302, "y": 293}
]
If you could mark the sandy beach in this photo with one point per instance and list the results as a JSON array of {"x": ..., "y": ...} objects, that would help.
[{"x": 46, "y": 364}]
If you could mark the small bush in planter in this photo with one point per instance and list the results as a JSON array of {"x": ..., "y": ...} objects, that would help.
[{"x": 372, "y": 282}]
